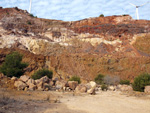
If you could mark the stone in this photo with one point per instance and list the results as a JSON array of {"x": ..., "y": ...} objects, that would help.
[
  {"x": 20, "y": 85},
  {"x": 45, "y": 79},
  {"x": 46, "y": 86},
  {"x": 30, "y": 81},
  {"x": 14, "y": 78},
  {"x": 125, "y": 88},
  {"x": 40, "y": 86},
  {"x": 93, "y": 84},
  {"x": 26, "y": 89},
  {"x": 111, "y": 88},
  {"x": 37, "y": 81},
  {"x": 72, "y": 84},
  {"x": 81, "y": 89},
  {"x": 91, "y": 91},
  {"x": 1, "y": 75},
  {"x": 24, "y": 78},
  {"x": 32, "y": 87},
  {"x": 147, "y": 89},
  {"x": 61, "y": 84}
]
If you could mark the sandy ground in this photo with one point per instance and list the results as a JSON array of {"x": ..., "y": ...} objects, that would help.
[{"x": 57, "y": 102}]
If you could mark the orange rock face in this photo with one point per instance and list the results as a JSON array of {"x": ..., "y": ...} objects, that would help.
[{"x": 114, "y": 45}]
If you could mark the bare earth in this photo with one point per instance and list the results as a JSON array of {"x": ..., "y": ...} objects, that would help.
[{"x": 57, "y": 102}]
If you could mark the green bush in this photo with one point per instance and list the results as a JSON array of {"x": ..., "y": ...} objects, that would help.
[
  {"x": 104, "y": 87},
  {"x": 101, "y": 15},
  {"x": 41, "y": 73},
  {"x": 126, "y": 82},
  {"x": 75, "y": 78},
  {"x": 13, "y": 65},
  {"x": 99, "y": 79},
  {"x": 140, "y": 82}
]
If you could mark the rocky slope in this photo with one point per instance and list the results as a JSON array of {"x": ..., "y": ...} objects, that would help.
[{"x": 114, "y": 45}]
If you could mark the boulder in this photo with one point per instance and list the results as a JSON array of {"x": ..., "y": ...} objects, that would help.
[
  {"x": 61, "y": 84},
  {"x": 93, "y": 84},
  {"x": 40, "y": 86},
  {"x": 147, "y": 89},
  {"x": 20, "y": 85},
  {"x": 37, "y": 81},
  {"x": 24, "y": 78},
  {"x": 91, "y": 91},
  {"x": 81, "y": 89},
  {"x": 112, "y": 88},
  {"x": 45, "y": 79},
  {"x": 32, "y": 87},
  {"x": 30, "y": 81},
  {"x": 1, "y": 75},
  {"x": 14, "y": 78},
  {"x": 124, "y": 88},
  {"x": 46, "y": 86},
  {"x": 72, "y": 84}
]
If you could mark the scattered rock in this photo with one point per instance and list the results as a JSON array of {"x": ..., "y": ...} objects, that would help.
[
  {"x": 14, "y": 78},
  {"x": 32, "y": 87},
  {"x": 40, "y": 86},
  {"x": 72, "y": 84},
  {"x": 1, "y": 75},
  {"x": 30, "y": 81},
  {"x": 81, "y": 89},
  {"x": 24, "y": 78},
  {"x": 147, "y": 89},
  {"x": 112, "y": 88},
  {"x": 92, "y": 90},
  {"x": 44, "y": 79},
  {"x": 20, "y": 85},
  {"x": 124, "y": 88},
  {"x": 61, "y": 84}
]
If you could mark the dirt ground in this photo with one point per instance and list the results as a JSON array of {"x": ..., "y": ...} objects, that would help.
[{"x": 12, "y": 101}]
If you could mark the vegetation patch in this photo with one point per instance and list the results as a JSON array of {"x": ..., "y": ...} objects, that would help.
[
  {"x": 140, "y": 82},
  {"x": 41, "y": 73},
  {"x": 75, "y": 78},
  {"x": 13, "y": 65}
]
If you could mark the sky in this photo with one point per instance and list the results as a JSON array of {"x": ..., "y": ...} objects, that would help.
[{"x": 72, "y": 10}]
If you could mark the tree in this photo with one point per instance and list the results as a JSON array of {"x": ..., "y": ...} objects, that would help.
[
  {"x": 13, "y": 65},
  {"x": 101, "y": 15},
  {"x": 140, "y": 82}
]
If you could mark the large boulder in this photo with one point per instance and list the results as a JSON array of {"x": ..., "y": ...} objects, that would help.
[
  {"x": 30, "y": 81},
  {"x": 124, "y": 88},
  {"x": 44, "y": 79},
  {"x": 81, "y": 89},
  {"x": 24, "y": 78},
  {"x": 20, "y": 85},
  {"x": 40, "y": 86},
  {"x": 32, "y": 87},
  {"x": 147, "y": 89},
  {"x": 14, "y": 78},
  {"x": 61, "y": 84},
  {"x": 92, "y": 89},
  {"x": 72, "y": 84}
]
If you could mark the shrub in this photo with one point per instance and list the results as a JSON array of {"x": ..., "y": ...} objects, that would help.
[
  {"x": 140, "y": 82},
  {"x": 29, "y": 22},
  {"x": 111, "y": 80},
  {"x": 41, "y": 73},
  {"x": 127, "y": 82},
  {"x": 99, "y": 79},
  {"x": 31, "y": 15},
  {"x": 75, "y": 78},
  {"x": 101, "y": 15},
  {"x": 13, "y": 65},
  {"x": 104, "y": 87}
]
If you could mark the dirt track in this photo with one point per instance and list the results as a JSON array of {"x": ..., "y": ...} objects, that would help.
[{"x": 58, "y": 102}]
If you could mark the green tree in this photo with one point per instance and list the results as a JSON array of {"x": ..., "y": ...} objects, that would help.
[
  {"x": 12, "y": 65},
  {"x": 99, "y": 79},
  {"x": 42, "y": 72},
  {"x": 101, "y": 15},
  {"x": 141, "y": 81},
  {"x": 75, "y": 78}
]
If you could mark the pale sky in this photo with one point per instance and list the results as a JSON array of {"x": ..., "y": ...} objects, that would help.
[{"x": 71, "y": 10}]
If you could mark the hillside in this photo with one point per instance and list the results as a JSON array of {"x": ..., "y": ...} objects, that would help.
[{"x": 113, "y": 45}]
